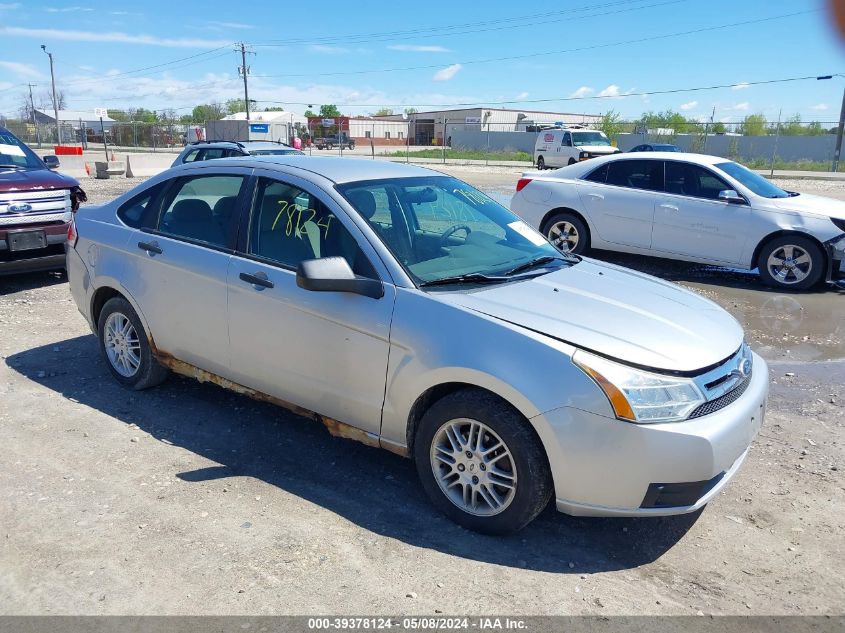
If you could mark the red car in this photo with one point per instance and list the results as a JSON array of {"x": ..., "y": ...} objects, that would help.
[{"x": 35, "y": 208}]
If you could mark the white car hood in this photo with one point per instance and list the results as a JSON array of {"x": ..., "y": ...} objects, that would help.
[
  {"x": 615, "y": 312},
  {"x": 807, "y": 203},
  {"x": 597, "y": 149}
]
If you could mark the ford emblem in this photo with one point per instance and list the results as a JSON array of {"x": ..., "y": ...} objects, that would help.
[
  {"x": 745, "y": 367},
  {"x": 19, "y": 207}
]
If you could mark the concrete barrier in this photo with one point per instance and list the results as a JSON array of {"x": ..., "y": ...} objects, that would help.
[{"x": 143, "y": 164}]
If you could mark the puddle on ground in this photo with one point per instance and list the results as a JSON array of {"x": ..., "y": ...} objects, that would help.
[{"x": 780, "y": 326}]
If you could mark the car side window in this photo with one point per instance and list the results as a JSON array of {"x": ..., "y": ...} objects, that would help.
[
  {"x": 202, "y": 209},
  {"x": 289, "y": 225},
  {"x": 567, "y": 140},
  {"x": 191, "y": 156},
  {"x": 695, "y": 181},
  {"x": 598, "y": 175},
  {"x": 636, "y": 174},
  {"x": 132, "y": 211}
]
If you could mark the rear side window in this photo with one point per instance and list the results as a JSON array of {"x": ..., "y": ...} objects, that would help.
[
  {"x": 202, "y": 209},
  {"x": 132, "y": 211},
  {"x": 598, "y": 175},
  {"x": 636, "y": 174}
]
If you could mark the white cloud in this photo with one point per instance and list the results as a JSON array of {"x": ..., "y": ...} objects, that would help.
[
  {"x": 22, "y": 70},
  {"x": 611, "y": 91},
  {"x": 110, "y": 37},
  {"x": 447, "y": 73},
  {"x": 819, "y": 106},
  {"x": 689, "y": 105},
  {"x": 334, "y": 50},
  {"x": 230, "y": 25},
  {"x": 8, "y": 6},
  {"x": 67, "y": 9},
  {"x": 582, "y": 92},
  {"x": 414, "y": 48},
  {"x": 521, "y": 95},
  {"x": 742, "y": 106},
  {"x": 740, "y": 86}
]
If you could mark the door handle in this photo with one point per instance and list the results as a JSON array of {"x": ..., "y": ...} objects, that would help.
[
  {"x": 669, "y": 207},
  {"x": 597, "y": 196},
  {"x": 150, "y": 247},
  {"x": 257, "y": 279}
]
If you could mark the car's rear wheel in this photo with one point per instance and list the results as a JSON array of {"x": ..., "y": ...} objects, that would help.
[
  {"x": 481, "y": 463},
  {"x": 568, "y": 233},
  {"x": 572, "y": 161},
  {"x": 541, "y": 163},
  {"x": 124, "y": 346},
  {"x": 791, "y": 262}
]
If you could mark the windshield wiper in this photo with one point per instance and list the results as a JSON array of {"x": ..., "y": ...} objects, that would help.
[
  {"x": 539, "y": 261},
  {"x": 473, "y": 278}
]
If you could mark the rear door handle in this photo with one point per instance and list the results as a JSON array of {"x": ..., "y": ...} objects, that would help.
[
  {"x": 150, "y": 247},
  {"x": 669, "y": 207},
  {"x": 597, "y": 196},
  {"x": 257, "y": 279}
]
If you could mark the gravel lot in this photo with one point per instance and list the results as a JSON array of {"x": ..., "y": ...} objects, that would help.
[{"x": 188, "y": 499}]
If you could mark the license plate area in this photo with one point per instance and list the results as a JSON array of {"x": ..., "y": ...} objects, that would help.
[{"x": 26, "y": 240}]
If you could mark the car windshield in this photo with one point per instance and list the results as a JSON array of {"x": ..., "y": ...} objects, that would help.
[
  {"x": 439, "y": 227},
  {"x": 755, "y": 182},
  {"x": 13, "y": 153},
  {"x": 666, "y": 148},
  {"x": 273, "y": 152},
  {"x": 589, "y": 138}
]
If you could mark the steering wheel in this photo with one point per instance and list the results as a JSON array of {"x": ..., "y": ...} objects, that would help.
[{"x": 452, "y": 230}]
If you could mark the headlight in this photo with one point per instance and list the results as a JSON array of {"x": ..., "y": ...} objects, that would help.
[{"x": 641, "y": 396}]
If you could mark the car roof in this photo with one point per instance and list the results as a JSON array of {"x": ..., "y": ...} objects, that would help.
[
  {"x": 701, "y": 159},
  {"x": 338, "y": 170},
  {"x": 241, "y": 144}
]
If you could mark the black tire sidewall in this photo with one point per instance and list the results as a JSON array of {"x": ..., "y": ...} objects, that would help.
[
  {"x": 534, "y": 484},
  {"x": 572, "y": 161},
  {"x": 583, "y": 230},
  {"x": 150, "y": 372},
  {"x": 812, "y": 249},
  {"x": 541, "y": 163}
]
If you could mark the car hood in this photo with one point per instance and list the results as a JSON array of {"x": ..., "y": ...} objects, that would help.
[
  {"x": 597, "y": 149},
  {"x": 807, "y": 203},
  {"x": 29, "y": 179},
  {"x": 616, "y": 312}
]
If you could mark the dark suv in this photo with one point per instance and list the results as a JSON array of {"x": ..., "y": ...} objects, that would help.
[
  {"x": 208, "y": 150},
  {"x": 35, "y": 208},
  {"x": 330, "y": 142}
]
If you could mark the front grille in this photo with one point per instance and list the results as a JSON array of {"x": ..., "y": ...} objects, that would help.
[{"x": 721, "y": 402}]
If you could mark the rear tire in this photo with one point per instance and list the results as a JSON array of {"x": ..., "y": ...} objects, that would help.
[
  {"x": 791, "y": 262},
  {"x": 481, "y": 463},
  {"x": 541, "y": 163},
  {"x": 572, "y": 161},
  {"x": 125, "y": 348},
  {"x": 568, "y": 233}
]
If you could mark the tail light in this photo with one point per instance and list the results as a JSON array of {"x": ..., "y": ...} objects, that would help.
[
  {"x": 72, "y": 235},
  {"x": 520, "y": 184}
]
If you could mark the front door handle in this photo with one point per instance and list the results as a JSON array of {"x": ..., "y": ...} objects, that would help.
[
  {"x": 597, "y": 196},
  {"x": 669, "y": 207},
  {"x": 150, "y": 247},
  {"x": 257, "y": 279}
]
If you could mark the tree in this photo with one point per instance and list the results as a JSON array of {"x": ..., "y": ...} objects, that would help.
[
  {"x": 410, "y": 111},
  {"x": 382, "y": 112},
  {"x": 814, "y": 128},
  {"x": 793, "y": 126},
  {"x": 719, "y": 128},
  {"x": 610, "y": 124},
  {"x": 45, "y": 101},
  {"x": 207, "y": 112},
  {"x": 274, "y": 109},
  {"x": 118, "y": 115},
  {"x": 329, "y": 110},
  {"x": 309, "y": 113},
  {"x": 142, "y": 115},
  {"x": 235, "y": 105},
  {"x": 753, "y": 125}
]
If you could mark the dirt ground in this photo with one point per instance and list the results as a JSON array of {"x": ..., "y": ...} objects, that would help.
[{"x": 187, "y": 499}]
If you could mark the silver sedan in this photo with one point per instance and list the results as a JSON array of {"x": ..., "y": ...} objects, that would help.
[{"x": 404, "y": 309}]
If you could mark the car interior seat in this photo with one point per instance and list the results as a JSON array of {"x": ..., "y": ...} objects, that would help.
[
  {"x": 223, "y": 210},
  {"x": 193, "y": 218},
  {"x": 279, "y": 239}
]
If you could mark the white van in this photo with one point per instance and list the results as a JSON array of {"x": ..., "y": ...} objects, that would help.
[{"x": 565, "y": 146}]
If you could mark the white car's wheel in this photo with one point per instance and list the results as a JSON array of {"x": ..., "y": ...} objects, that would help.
[
  {"x": 124, "y": 346},
  {"x": 567, "y": 233},
  {"x": 791, "y": 261},
  {"x": 481, "y": 463},
  {"x": 541, "y": 163}
]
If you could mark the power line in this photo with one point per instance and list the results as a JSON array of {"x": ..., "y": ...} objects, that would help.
[{"x": 556, "y": 52}]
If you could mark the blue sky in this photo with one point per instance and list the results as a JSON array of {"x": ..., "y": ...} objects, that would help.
[{"x": 365, "y": 55}]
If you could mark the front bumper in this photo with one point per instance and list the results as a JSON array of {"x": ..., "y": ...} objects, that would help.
[
  {"x": 836, "y": 258},
  {"x": 51, "y": 257},
  {"x": 607, "y": 467}
]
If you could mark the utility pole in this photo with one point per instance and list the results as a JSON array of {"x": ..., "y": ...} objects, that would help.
[
  {"x": 55, "y": 103},
  {"x": 712, "y": 116},
  {"x": 838, "y": 149},
  {"x": 34, "y": 122},
  {"x": 243, "y": 69}
]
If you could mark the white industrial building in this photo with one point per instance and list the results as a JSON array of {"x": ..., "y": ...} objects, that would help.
[{"x": 261, "y": 126}]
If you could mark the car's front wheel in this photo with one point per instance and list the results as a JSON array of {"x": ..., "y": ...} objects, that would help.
[
  {"x": 572, "y": 161},
  {"x": 481, "y": 463},
  {"x": 541, "y": 163},
  {"x": 568, "y": 233},
  {"x": 124, "y": 346},
  {"x": 791, "y": 262}
]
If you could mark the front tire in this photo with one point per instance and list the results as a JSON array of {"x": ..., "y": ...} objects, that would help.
[
  {"x": 124, "y": 346},
  {"x": 572, "y": 161},
  {"x": 792, "y": 262},
  {"x": 568, "y": 233},
  {"x": 541, "y": 163},
  {"x": 481, "y": 463}
]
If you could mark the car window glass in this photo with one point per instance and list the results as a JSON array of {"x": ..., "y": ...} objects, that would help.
[
  {"x": 598, "y": 175},
  {"x": 191, "y": 156},
  {"x": 132, "y": 211},
  {"x": 435, "y": 210},
  {"x": 567, "y": 140},
  {"x": 693, "y": 180},
  {"x": 290, "y": 225},
  {"x": 636, "y": 174},
  {"x": 202, "y": 209}
]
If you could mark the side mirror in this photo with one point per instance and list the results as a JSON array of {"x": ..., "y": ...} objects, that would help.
[
  {"x": 333, "y": 274},
  {"x": 731, "y": 196},
  {"x": 51, "y": 161}
]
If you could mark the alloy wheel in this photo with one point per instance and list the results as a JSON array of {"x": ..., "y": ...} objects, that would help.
[
  {"x": 473, "y": 467},
  {"x": 123, "y": 348},
  {"x": 564, "y": 236},
  {"x": 789, "y": 264}
]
